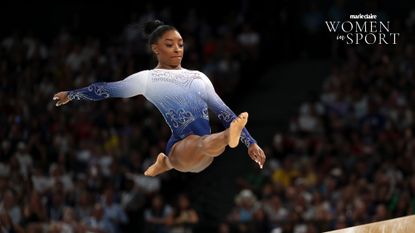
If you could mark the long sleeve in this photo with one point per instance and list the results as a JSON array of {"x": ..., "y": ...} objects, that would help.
[
  {"x": 223, "y": 112},
  {"x": 133, "y": 85}
]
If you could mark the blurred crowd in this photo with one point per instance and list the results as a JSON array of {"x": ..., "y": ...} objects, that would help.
[{"x": 346, "y": 159}]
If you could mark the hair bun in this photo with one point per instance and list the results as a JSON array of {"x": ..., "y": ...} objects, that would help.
[{"x": 150, "y": 26}]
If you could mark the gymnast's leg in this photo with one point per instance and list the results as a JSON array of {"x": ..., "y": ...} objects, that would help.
[
  {"x": 194, "y": 153},
  {"x": 214, "y": 144}
]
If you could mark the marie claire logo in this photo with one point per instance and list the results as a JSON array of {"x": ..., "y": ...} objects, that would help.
[{"x": 363, "y": 29}]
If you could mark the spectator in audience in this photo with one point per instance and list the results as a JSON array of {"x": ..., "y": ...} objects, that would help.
[
  {"x": 113, "y": 210},
  {"x": 7, "y": 225},
  {"x": 159, "y": 216},
  {"x": 185, "y": 217},
  {"x": 243, "y": 214},
  {"x": 35, "y": 214},
  {"x": 9, "y": 206},
  {"x": 97, "y": 222}
]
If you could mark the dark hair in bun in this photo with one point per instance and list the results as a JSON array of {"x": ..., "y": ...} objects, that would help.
[{"x": 155, "y": 29}]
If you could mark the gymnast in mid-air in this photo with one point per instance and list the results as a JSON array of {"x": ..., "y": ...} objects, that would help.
[{"x": 184, "y": 98}]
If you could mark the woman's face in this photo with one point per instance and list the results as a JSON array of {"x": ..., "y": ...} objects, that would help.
[
  {"x": 169, "y": 49},
  {"x": 183, "y": 202}
]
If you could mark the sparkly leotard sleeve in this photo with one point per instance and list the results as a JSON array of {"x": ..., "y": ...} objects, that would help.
[
  {"x": 182, "y": 96},
  {"x": 223, "y": 112},
  {"x": 133, "y": 85}
]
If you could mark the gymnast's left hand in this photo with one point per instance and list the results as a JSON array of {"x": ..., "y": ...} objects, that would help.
[
  {"x": 257, "y": 154},
  {"x": 61, "y": 98}
]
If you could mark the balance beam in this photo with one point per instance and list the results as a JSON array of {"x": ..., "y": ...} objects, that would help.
[{"x": 396, "y": 225}]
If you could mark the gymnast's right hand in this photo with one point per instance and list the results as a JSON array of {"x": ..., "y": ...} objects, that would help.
[{"x": 62, "y": 98}]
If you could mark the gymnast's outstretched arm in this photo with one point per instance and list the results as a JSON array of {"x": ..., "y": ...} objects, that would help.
[
  {"x": 226, "y": 116},
  {"x": 133, "y": 85},
  {"x": 223, "y": 112}
]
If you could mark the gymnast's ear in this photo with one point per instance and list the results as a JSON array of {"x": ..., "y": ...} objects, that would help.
[{"x": 154, "y": 49}]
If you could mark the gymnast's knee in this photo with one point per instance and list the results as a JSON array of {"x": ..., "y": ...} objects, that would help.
[{"x": 201, "y": 142}]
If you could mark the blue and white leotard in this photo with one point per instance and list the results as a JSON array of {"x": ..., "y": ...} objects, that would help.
[{"x": 182, "y": 96}]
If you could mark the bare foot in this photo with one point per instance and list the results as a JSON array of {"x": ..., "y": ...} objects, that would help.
[
  {"x": 158, "y": 167},
  {"x": 235, "y": 129}
]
